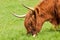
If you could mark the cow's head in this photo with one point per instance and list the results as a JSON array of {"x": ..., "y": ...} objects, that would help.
[{"x": 33, "y": 20}]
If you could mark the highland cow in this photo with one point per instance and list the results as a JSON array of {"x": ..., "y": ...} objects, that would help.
[{"x": 47, "y": 10}]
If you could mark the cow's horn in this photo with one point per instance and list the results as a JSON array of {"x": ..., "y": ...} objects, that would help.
[
  {"x": 28, "y": 7},
  {"x": 19, "y": 16}
]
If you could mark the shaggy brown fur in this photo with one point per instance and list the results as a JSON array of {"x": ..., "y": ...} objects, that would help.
[{"x": 48, "y": 10}]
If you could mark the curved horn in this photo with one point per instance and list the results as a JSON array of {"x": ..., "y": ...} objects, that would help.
[
  {"x": 19, "y": 16},
  {"x": 28, "y": 7}
]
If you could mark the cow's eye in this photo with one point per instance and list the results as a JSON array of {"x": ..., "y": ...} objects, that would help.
[{"x": 41, "y": 15}]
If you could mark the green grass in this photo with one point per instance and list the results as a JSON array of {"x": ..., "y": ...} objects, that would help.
[{"x": 12, "y": 28}]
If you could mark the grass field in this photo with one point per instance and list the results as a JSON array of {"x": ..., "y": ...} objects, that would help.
[{"x": 12, "y": 28}]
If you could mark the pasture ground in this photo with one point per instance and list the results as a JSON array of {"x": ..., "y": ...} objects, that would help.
[{"x": 12, "y": 28}]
